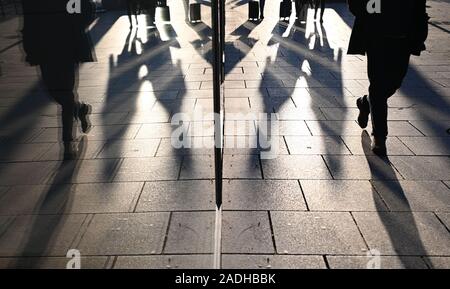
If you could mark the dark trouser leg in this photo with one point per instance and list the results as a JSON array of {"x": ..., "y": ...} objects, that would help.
[
  {"x": 59, "y": 78},
  {"x": 130, "y": 12},
  {"x": 262, "y": 3},
  {"x": 388, "y": 61}
]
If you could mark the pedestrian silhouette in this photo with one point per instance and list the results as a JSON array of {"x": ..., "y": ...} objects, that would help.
[
  {"x": 262, "y": 4},
  {"x": 319, "y": 4},
  {"x": 57, "y": 41},
  {"x": 388, "y": 38},
  {"x": 133, "y": 10}
]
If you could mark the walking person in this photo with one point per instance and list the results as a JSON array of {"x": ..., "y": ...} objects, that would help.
[
  {"x": 133, "y": 10},
  {"x": 319, "y": 4},
  {"x": 262, "y": 3},
  {"x": 57, "y": 42},
  {"x": 388, "y": 39},
  {"x": 301, "y": 10}
]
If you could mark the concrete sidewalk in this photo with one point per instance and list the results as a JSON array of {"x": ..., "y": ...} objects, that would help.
[{"x": 135, "y": 201}]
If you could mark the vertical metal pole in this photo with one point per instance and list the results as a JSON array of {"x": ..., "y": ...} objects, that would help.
[{"x": 217, "y": 81}]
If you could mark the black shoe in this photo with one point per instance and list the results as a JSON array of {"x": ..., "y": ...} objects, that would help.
[
  {"x": 83, "y": 116},
  {"x": 364, "y": 110},
  {"x": 379, "y": 147},
  {"x": 70, "y": 151}
]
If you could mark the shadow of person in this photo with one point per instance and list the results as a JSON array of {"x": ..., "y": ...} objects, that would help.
[
  {"x": 400, "y": 227},
  {"x": 45, "y": 229}
]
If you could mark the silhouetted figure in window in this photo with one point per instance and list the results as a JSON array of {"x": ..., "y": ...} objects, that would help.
[
  {"x": 388, "y": 38},
  {"x": 262, "y": 3},
  {"x": 57, "y": 42},
  {"x": 319, "y": 4},
  {"x": 133, "y": 10}
]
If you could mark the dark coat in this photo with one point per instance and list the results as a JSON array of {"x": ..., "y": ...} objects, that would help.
[
  {"x": 51, "y": 34},
  {"x": 398, "y": 19}
]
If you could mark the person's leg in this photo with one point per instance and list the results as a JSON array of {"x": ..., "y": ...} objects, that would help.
[
  {"x": 130, "y": 12},
  {"x": 262, "y": 3},
  {"x": 322, "y": 9},
  {"x": 59, "y": 79},
  {"x": 316, "y": 7},
  {"x": 388, "y": 61}
]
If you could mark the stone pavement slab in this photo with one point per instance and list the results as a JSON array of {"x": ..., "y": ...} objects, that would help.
[
  {"x": 148, "y": 169},
  {"x": 190, "y": 233},
  {"x": 429, "y": 146},
  {"x": 177, "y": 196},
  {"x": 333, "y": 195},
  {"x": 386, "y": 262},
  {"x": 263, "y": 195},
  {"x": 34, "y": 199},
  {"x": 415, "y": 234},
  {"x": 40, "y": 235},
  {"x": 295, "y": 167},
  {"x": 360, "y": 168},
  {"x": 198, "y": 167},
  {"x": 121, "y": 234},
  {"x": 422, "y": 168},
  {"x": 311, "y": 145},
  {"x": 165, "y": 262},
  {"x": 27, "y": 173},
  {"x": 102, "y": 198},
  {"x": 246, "y": 232},
  {"x": 357, "y": 146},
  {"x": 316, "y": 233},
  {"x": 272, "y": 262},
  {"x": 438, "y": 262},
  {"x": 241, "y": 167},
  {"x": 52, "y": 263},
  {"x": 445, "y": 218},
  {"x": 414, "y": 195}
]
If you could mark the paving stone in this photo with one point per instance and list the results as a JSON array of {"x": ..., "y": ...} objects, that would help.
[
  {"x": 316, "y": 233},
  {"x": 22, "y": 152},
  {"x": 246, "y": 232},
  {"x": 84, "y": 171},
  {"x": 338, "y": 113},
  {"x": 414, "y": 196},
  {"x": 272, "y": 262},
  {"x": 337, "y": 128},
  {"x": 406, "y": 233},
  {"x": 295, "y": 167},
  {"x": 29, "y": 173},
  {"x": 177, "y": 196},
  {"x": 197, "y": 167},
  {"x": 311, "y": 145},
  {"x": 103, "y": 198},
  {"x": 438, "y": 262},
  {"x": 241, "y": 167},
  {"x": 148, "y": 169},
  {"x": 108, "y": 132},
  {"x": 45, "y": 235},
  {"x": 422, "y": 168},
  {"x": 189, "y": 146},
  {"x": 51, "y": 263},
  {"x": 360, "y": 168},
  {"x": 121, "y": 234},
  {"x": 263, "y": 195},
  {"x": 130, "y": 149},
  {"x": 341, "y": 196},
  {"x": 34, "y": 199},
  {"x": 432, "y": 127},
  {"x": 295, "y": 128},
  {"x": 159, "y": 130},
  {"x": 87, "y": 150},
  {"x": 190, "y": 233},
  {"x": 368, "y": 262},
  {"x": 359, "y": 146},
  {"x": 430, "y": 146},
  {"x": 445, "y": 218},
  {"x": 165, "y": 262}
]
